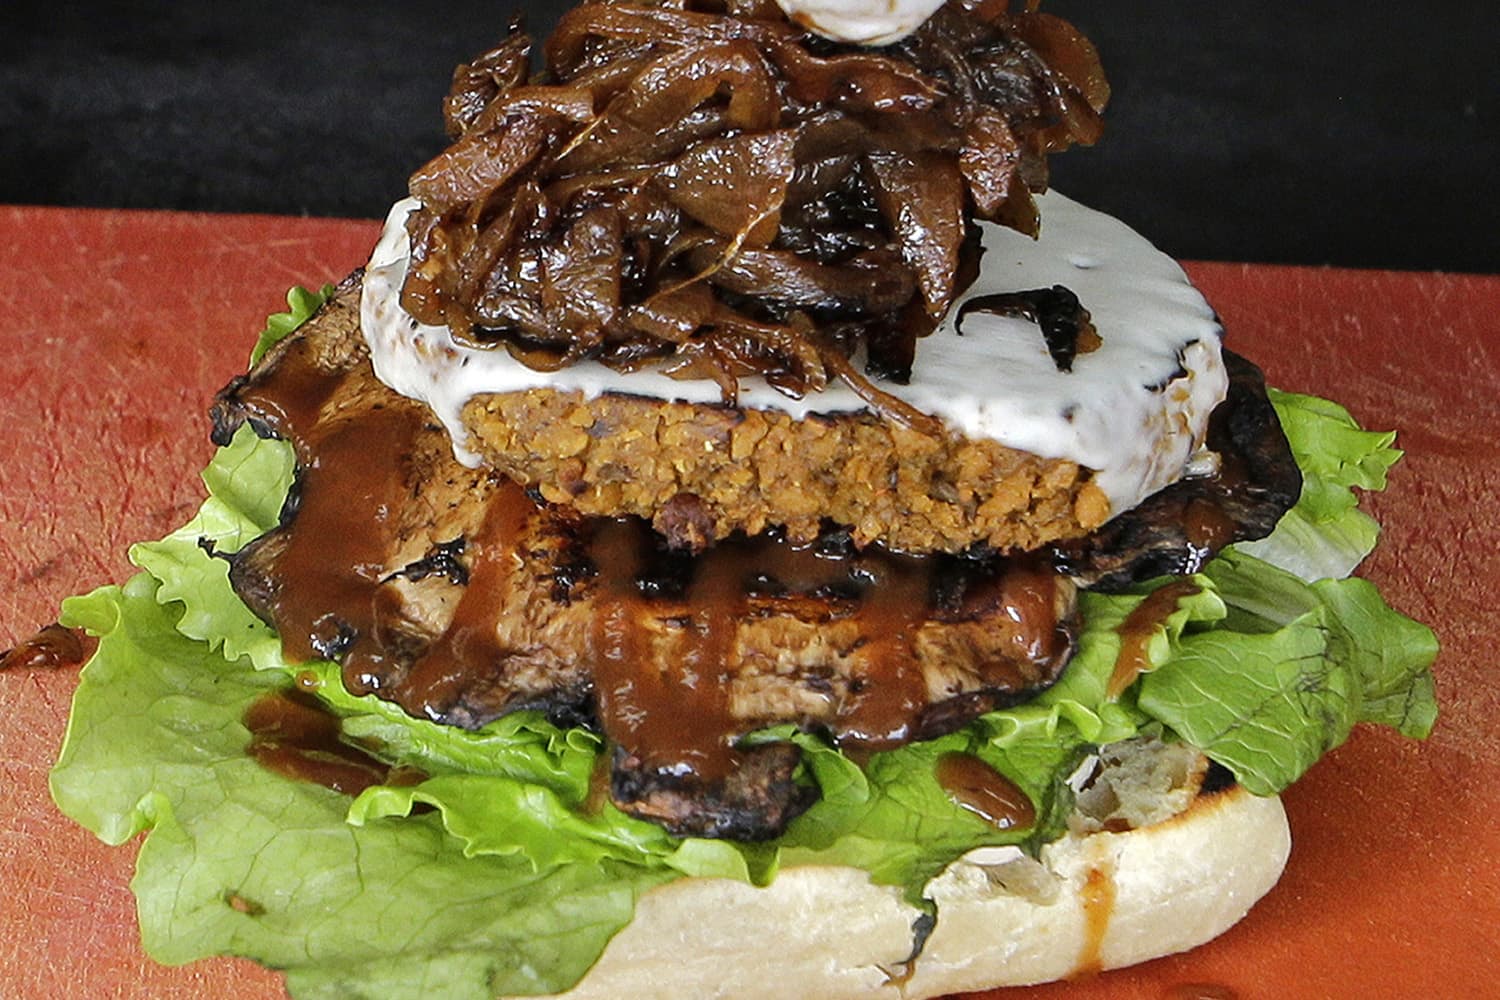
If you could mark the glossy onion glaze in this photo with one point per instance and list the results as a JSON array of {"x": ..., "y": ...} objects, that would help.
[{"x": 1134, "y": 410}]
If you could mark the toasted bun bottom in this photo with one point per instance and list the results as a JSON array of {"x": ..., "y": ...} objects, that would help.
[{"x": 1097, "y": 901}]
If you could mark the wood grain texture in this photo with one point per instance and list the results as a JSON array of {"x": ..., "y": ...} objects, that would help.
[{"x": 118, "y": 327}]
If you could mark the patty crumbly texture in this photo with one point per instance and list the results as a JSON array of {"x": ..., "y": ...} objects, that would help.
[{"x": 701, "y": 472}]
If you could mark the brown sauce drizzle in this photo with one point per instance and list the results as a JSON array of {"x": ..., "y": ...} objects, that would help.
[
  {"x": 984, "y": 791},
  {"x": 1207, "y": 526},
  {"x": 292, "y": 735},
  {"x": 1137, "y": 630},
  {"x": 338, "y": 563},
  {"x": 351, "y": 482},
  {"x": 1098, "y": 907},
  {"x": 50, "y": 648},
  {"x": 1066, "y": 325},
  {"x": 662, "y": 654},
  {"x": 1025, "y": 593},
  {"x": 439, "y": 675},
  {"x": 242, "y": 904},
  {"x": 598, "y": 794},
  {"x": 677, "y": 716},
  {"x": 888, "y": 692},
  {"x": 673, "y": 713}
]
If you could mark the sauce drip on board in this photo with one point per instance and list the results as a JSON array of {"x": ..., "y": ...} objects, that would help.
[
  {"x": 984, "y": 791},
  {"x": 51, "y": 647}
]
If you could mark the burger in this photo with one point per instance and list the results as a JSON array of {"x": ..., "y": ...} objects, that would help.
[{"x": 739, "y": 519}]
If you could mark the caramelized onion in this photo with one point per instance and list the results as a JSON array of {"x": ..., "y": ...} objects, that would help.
[
  {"x": 707, "y": 186},
  {"x": 735, "y": 186}
]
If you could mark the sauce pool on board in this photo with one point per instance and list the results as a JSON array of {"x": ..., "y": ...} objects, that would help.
[{"x": 51, "y": 647}]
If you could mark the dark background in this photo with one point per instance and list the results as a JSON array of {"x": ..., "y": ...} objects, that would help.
[{"x": 1316, "y": 132}]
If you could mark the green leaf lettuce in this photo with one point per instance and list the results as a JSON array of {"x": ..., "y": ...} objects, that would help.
[{"x": 1325, "y": 535}]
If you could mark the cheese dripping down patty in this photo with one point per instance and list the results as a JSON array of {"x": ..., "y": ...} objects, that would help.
[{"x": 1134, "y": 411}]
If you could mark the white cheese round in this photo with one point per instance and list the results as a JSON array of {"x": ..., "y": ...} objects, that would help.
[{"x": 1134, "y": 411}]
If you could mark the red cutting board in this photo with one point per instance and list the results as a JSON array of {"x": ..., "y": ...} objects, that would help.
[{"x": 118, "y": 327}]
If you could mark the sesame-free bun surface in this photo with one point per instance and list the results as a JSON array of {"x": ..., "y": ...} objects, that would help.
[{"x": 1096, "y": 901}]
